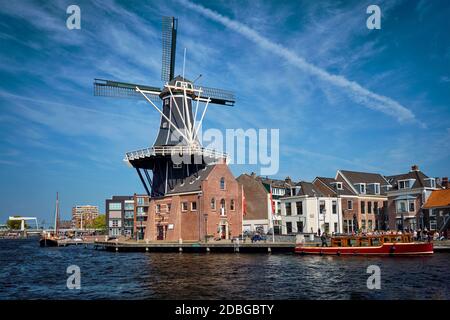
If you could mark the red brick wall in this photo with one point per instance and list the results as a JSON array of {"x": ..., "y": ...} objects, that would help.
[
  {"x": 255, "y": 198},
  {"x": 195, "y": 225}
]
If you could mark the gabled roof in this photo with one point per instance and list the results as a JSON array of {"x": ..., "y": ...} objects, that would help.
[
  {"x": 438, "y": 199},
  {"x": 277, "y": 183},
  {"x": 308, "y": 189},
  {"x": 355, "y": 177},
  {"x": 417, "y": 175},
  {"x": 192, "y": 183},
  {"x": 329, "y": 183}
]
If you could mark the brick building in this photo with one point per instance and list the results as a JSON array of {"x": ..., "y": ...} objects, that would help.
[
  {"x": 406, "y": 196},
  {"x": 120, "y": 216},
  {"x": 204, "y": 205},
  {"x": 263, "y": 202}
]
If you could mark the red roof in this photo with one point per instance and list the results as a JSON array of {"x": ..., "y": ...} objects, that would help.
[{"x": 438, "y": 199}]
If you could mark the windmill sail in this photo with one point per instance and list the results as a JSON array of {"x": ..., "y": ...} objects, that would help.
[
  {"x": 169, "y": 42},
  {"x": 109, "y": 88},
  {"x": 217, "y": 96}
]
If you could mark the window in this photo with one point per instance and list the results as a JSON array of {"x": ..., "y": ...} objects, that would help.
[
  {"x": 288, "y": 209},
  {"x": 115, "y": 206},
  {"x": 411, "y": 206},
  {"x": 336, "y": 227},
  {"x": 232, "y": 204},
  {"x": 370, "y": 225},
  {"x": 363, "y": 207},
  {"x": 222, "y": 207},
  {"x": 334, "y": 207},
  {"x": 299, "y": 206},
  {"x": 322, "y": 207},
  {"x": 361, "y": 187},
  {"x": 369, "y": 207},
  {"x": 184, "y": 206},
  {"x": 363, "y": 224},
  {"x": 194, "y": 206},
  {"x": 288, "y": 227},
  {"x": 222, "y": 183},
  {"x": 339, "y": 185},
  {"x": 129, "y": 205},
  {"x": 401, "y": 206},
  {"x": 350, "y": 204},
  {"x": 158, "y": 208},
  {"x": 140, "y": 201},
  {"x": 213, "y": 204},
  {"x": 299, "y": 226},
  {"x": 375, "y": 208},
  {"x": 168, "y": 207},
  {"x": 140, "y": 210}
]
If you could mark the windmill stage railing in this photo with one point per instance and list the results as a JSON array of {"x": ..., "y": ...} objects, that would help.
[{"x": 174, "y": 150}]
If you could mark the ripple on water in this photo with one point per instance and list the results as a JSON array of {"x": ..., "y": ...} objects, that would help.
[{"x": 31, "y": 272}]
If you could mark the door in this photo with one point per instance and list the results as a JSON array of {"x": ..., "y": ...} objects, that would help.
[
  {"x": 223, "y": 231},
  {"x": 161, "y": 232}
]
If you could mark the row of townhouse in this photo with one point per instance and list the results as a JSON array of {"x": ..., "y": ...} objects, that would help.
[{"x": 350, "y": 202}]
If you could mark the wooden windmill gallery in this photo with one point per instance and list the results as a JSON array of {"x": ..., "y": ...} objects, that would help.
[{"x": 191, "y": 193}]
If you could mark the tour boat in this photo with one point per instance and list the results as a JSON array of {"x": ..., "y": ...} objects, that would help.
[{"x": 383, "y": 244}]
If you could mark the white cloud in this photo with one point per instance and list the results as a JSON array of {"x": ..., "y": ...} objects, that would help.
[{"x": 357, "y": 92}]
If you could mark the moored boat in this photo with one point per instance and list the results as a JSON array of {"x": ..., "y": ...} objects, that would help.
[
  {"x": 383, "y": 244},
  {"x": 49, "y": 239}
]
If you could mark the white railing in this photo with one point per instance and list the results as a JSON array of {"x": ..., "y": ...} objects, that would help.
[{"x": 172, "y": 150}]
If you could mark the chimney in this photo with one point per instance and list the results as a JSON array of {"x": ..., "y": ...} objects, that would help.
[
  {"x": 444, "y": 182},
  {"x": 415, "y": 167},
  {"x": 253, "y": 175}
]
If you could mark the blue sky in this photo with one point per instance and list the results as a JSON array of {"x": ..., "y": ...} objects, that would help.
[{"x": 343, "y": 96}]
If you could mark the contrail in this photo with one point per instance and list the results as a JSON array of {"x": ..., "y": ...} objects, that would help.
[{"x": 356, "y": 92}]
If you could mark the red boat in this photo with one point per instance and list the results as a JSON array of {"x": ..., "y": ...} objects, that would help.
[{"x": 385, "y": 244}]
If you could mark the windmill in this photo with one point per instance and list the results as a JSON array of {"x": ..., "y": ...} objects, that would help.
[{"x": 176, "y": 153}]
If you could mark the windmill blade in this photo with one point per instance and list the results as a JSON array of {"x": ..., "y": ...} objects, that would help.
[
  {"x": 217, "y": 96},
  {"x": 169, "y": 44},
  {"x": 108, "y": 88}
]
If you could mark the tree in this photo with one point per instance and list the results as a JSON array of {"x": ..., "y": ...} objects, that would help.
[
  {"x": 15, "y": 224},
  {"x": 98, "y": 223}
]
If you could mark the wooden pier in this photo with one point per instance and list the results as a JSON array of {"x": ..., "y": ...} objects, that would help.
[{"x": 219, "y": 246}]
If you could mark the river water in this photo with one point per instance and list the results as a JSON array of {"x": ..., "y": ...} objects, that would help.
[{"x": 30, "y": 272}]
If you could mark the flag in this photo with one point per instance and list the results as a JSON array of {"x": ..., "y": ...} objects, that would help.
[
  {"x": 244, "y": 204},
  {"x": 272, "y": 203}
]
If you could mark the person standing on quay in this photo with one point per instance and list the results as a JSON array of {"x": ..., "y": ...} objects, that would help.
[{"x": 323, "y": 237}]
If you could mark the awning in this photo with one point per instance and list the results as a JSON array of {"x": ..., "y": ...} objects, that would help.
[{"x": 408, "y": 197}]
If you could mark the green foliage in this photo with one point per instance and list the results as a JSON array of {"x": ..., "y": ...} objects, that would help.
[
  {"x": 98, "y": 223},
  {"x": 15, "y": 224}
]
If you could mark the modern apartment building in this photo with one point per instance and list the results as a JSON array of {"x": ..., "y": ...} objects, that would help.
[
  {"x": 120, "y": 215},
  {"x": 82, "y": 216}
]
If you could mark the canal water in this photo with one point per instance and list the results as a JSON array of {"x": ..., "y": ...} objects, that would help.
[{"x": 30, "y": 272}]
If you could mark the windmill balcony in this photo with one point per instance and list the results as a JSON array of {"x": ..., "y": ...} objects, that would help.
[{"x": 169, "y": 150}]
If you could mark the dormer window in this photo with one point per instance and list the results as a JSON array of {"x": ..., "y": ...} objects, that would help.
[
  {"x": 361, "y": 187},
  {"x": 337, "y": 185},
  {"x": 375, "y": 188},
  {"x": 405, "y": 184},
  {"x": 430, "y": 182}
]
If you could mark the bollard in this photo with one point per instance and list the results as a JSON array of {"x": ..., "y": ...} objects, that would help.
[
  {"x": 236, "y": 250},
  {"x": 180, "y": 249},
  {"x": 208, "y": 250},
  {"x": 269, "y": 250},
  {"x": 117, "y": 249},
  {"x": 146, "y": 249}
]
